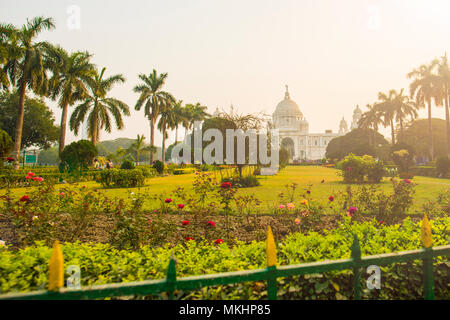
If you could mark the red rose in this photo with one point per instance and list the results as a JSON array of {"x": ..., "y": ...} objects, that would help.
[
  {"x": 180, "y": 206},
  {"x": 219, "y": 241},
  {"x": 331, "y": 198},
  {"x": 212, "y": 223},
  {"x": 185, "y": 223},
  {"x": 25, "y": 199},
  {"x": 168, "y": 200},
  {"x": 188, "y": 238},
  {"x": 225, "y": 185},
  {"x": 348, "y": 168}
]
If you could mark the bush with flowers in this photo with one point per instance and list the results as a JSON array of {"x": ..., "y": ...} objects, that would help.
[{"x": 354, "y": 169}]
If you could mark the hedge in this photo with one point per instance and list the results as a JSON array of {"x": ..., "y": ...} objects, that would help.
[
  {"x": 124, "y": 178},
  {"x": 26, "y": 269},
  {"x": 183, "y": 171}
]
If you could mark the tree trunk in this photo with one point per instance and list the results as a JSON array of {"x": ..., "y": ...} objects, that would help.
[
  {"x": 62, "y": 135},
  {"x": 430, "y": 131},
  {"x": 176, "y": 135},
  {"x": 401, "y": 126},
  {"x": 392, "y": 132},
  {"x": 163, "y": 151},
  {"x": 19, "y": 125},
  {"x": 152, "y": 138},
  {"x": 95, "y": 134},
  {"x": 447, "y": 124}
]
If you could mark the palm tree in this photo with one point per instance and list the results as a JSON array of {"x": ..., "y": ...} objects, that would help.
[
  {"x": 179, "y": 116},
  {"x": 27, "y": 68},
  {"x": 386, "y": 107},
  {"x": 423, "y": 89},
  {"x": 8, "y": 52},
  {"x": 100, "y": 107},
  {"x": 395, "y": 106},
  {"x": 195, "y": 112},
  {"x": 404, "y": 107},
  {"x": 152, "y": 97},
  {"x": 370, "y": 120},
  {"x": 139, "y": 146},
  {"x": 167, "y": 120},
  {"x": 71, "y": 74},
  {"x": 442, "y": 97}
]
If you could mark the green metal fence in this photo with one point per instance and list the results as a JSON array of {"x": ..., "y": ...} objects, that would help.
[{"x": 269, "y": 274}]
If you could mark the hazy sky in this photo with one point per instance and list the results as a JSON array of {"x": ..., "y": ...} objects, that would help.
[{"x": 332, "y": 54}]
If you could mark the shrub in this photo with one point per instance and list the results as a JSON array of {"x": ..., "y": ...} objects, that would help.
[
  {"x": 375, "y": 171},
  {"x": 355, "y": 169},
  {"x": 442, "y": 166},
  {"x": 6, "y": 145},
  {"x": 249, "y": 181},
  {"x": 404, "y": 159},
  {"x": 373, "y": 200},
  {"x": 242, "y": 182},
  {"x": 183, "y": 171},
  {"x": 79, "y": 155},
  {"x": 283, "y": 157},
  {"x": 159, "y": 166},
  {"x": 124, "y": 178},
  {"x": 147, "y": 171},
  {"x": 426, "y": 171},
  {"x": 127, "y": 164}
]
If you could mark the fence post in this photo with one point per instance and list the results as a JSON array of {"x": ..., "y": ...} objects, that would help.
[
  {"x": 271, "y": 252},
  {"x": 356, "y": 256},
  {"x": 428, "y": 280},
  {"x": 171, "y": 277}
]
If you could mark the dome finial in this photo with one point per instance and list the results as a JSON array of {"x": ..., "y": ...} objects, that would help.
[{"x": 286, "y": 95}]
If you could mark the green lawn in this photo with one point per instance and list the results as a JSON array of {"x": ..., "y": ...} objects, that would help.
[{"x": 426, "y": 189}]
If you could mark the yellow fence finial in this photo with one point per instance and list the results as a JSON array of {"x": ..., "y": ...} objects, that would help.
[
  {"x": 426, "y": 232},
  {"x": 56, "y": 268},
  {"x": 271, "y": 249}
]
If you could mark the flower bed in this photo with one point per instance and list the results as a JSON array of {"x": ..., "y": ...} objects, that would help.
[{"x": 26, "y": 269}]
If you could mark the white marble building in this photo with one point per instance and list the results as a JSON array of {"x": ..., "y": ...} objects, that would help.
[{"x": 294, "y": 131}]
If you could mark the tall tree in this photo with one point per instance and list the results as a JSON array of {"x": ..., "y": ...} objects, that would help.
[
  {"x": 404, "y": 107},
  {"x": 98, "y": 107},
  {"x": 68, "y": 84},
  {"x": 370, "y": 120},
  {"x": 395, "y": 106},
  {"x": 39, "y": 129},
  {"x": 152, "y": 98},
  {"x": 194, "y": 112},
  {"x": 166, "y": 120},
  {"x": 139, "y": 146},
  {"x": 29, "y": 68},
  {"x": 443, "y": 83},
  {"x": 423, "y": 88},
  {"x": 9, "y": 54},
  {"x": 179, "y": 116}
]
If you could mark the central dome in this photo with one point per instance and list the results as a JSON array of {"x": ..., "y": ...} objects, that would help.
[{"x": 288, "y": 107}]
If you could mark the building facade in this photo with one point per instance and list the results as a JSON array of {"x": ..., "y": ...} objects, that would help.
[{"x": 294, "y": 131}]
